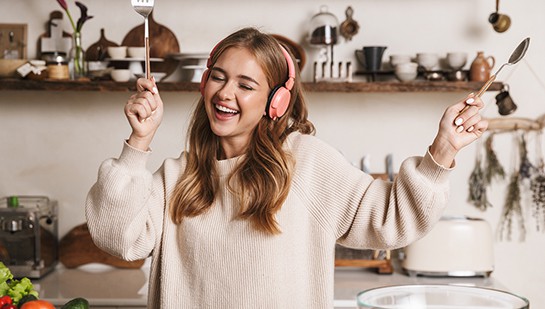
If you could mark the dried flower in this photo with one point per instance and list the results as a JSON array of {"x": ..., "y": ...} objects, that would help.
[{"x": 83, "y": 16}]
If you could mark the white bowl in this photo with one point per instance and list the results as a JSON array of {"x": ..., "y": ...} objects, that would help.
[
  {"x": 397, "y": 59},
  {"x": 117, "y": 52},
  {"x": 456, "y": 60},
  {"x": 406, "y": 71},
  {"x": 136, "y": 52},
  {"x": 121, "y": 75},
  {"x": 429, "y": 61}
]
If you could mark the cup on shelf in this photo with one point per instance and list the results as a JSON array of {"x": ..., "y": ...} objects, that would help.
[
  {"x": 117, "y": 52},
  {"x": 429, "y": 61},
  {"x": 121, "y": 75},
  {"x": 456, "y": 60},
  {"x": 397, "y": 59},
  {"x": 136, "y": 52},
  {"x": 407, "y": 71}
]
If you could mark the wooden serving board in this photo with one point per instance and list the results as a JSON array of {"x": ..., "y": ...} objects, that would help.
[
  {"x": 77, "y": 248},
  {"x": 163, "y": 42},
  {"x": 98, "y": 51}
]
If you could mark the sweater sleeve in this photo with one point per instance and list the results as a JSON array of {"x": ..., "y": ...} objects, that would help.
[
  {"x": 368, "y": 213},
  {"x": 125, "y": 207}
]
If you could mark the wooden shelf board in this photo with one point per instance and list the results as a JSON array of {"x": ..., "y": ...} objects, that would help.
[{"x": 346, "y": 87}]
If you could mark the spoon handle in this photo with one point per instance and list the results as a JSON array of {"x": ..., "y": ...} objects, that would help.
[{"x": 482, "y": 90}]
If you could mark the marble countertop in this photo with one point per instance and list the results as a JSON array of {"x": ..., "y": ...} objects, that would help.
[{"x": 105, "y": 286}]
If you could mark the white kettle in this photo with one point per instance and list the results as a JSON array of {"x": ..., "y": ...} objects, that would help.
[{"x": 457, "y": 246}]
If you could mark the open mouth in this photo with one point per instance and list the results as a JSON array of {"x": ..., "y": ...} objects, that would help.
[{"x": 225, "y": 110}]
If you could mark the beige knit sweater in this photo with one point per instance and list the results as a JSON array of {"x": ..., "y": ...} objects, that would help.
[{"x": 217, "y": 261}]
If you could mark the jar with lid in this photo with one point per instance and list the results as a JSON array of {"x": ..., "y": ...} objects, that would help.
[
  {"x": 57, "y": 66},
  {"x": 324, "y": 28}
]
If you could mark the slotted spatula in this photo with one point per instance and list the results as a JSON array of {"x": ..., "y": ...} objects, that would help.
[{"x": 144, "y": 8}]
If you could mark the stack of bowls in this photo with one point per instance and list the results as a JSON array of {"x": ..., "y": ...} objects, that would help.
[
  {"x": 404, "y": 69},
  {"x": 190, "y": 68}
]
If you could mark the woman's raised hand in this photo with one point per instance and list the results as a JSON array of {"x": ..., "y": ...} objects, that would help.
[
  {"x": 457, "y": 130},
  {"x": 144, "y": 110}
]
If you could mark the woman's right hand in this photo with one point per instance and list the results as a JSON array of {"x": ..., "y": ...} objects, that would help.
[{"x": 144, "y": 110}]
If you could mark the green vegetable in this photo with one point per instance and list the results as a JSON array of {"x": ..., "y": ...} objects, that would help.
[
  {"x": 16, "y": 289},
  {"x": 26, "y": 298},
  {"x": 76, "y": 303}
]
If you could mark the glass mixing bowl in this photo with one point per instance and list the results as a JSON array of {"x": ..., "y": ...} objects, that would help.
[{"x": 438, "y": 296}]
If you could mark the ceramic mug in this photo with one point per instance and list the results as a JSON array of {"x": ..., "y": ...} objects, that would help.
[{"x": 371, "y": 57}]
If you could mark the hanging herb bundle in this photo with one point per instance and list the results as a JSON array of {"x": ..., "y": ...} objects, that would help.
[
  {"x": 511, "y": 210},
  {"x": 477, "y": 187},
  {"x": 493, "y": 168},
  {"x": 526, "y": 168},
  {"x": 537, "y": 185}
]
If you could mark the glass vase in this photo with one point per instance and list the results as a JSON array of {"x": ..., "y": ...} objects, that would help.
[{"x": 78, "y": 66}]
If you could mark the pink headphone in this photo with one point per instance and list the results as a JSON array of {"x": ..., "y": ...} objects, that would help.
[{"x": 279, "y": 98}]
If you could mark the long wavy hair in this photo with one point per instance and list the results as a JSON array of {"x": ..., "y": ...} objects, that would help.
[{"x": 262, "y": 177}]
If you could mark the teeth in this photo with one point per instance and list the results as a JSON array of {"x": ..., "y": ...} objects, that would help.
[{"x": 225, "y": 109}]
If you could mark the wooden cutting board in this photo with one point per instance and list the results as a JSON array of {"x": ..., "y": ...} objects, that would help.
[
  {"x": 98, "y": 51},
  {"x": 77, "y": 248}
]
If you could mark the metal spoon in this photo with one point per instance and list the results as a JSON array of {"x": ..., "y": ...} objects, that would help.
[{"x": 515, "y": 57}]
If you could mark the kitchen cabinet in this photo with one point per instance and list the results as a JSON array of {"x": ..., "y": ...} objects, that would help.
[{"x": 342, "y": 87}]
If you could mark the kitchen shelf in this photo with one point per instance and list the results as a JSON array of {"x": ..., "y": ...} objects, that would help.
[{"x": 346, "y": 87}]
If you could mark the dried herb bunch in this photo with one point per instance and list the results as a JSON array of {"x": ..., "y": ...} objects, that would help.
[
  {"x": 526, "y": 168},
  {"x": 477, "y": 187},
  {"x": 512, "y": 210},
  {"x": 493, "y": 168},
  {"x": 537, "y": 185}
]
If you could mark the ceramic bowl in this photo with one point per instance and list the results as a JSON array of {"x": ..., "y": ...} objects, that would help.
[
  {"x": 397, "y": 59},
  {"x": 121, "y": 75},
  {"x": 406, "y": 71},
  {"x": 117, "y": 52},
  {"x": 429, "y": 61},
  {"x": 136, "y": 52},
  {"x": 456, "y": 60}
]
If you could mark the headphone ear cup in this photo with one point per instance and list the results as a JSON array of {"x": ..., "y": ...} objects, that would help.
[
  {"x": 204, "y": 79},
  {"x": 278, "y": 102}
]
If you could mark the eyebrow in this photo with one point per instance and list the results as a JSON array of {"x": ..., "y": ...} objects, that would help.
[{"x": 246, "y": 77}]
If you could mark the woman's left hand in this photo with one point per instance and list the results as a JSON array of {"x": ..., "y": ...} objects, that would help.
[{"x": 457, "y": 130}]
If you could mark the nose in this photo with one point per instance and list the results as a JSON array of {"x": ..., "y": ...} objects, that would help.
[{"x": 226, "y": 92}]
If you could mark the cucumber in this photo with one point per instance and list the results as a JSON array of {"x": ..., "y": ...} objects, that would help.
[{"x": 76, "y": 303}]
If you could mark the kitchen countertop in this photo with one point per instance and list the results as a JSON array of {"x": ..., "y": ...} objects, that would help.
[{"x": 108, "y": 287}]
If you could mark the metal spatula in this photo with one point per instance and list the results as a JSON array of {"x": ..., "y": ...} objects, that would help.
[
  {"x": 516, "y": 56},
  {"x": 144, "y": 8}
]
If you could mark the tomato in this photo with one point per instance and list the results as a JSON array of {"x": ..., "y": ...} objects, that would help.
[
  {"x": 37, "y": 304},
  {"x": 5, "y": 300},
  {"x": 9, "y": 306}
]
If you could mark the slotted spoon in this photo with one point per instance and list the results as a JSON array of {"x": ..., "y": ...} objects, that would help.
[
  {"x": 515, "y": 57},
  {"x": 144, "y": 8}
]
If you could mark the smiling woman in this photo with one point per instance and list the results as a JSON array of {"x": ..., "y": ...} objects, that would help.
[{"x": 256, "y": 204}]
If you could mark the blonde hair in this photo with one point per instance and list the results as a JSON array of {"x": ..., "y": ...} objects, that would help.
[{"x": 261, "y": 180}]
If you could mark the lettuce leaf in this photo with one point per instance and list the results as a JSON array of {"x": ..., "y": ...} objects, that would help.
[{"x": 16, "y": 289}]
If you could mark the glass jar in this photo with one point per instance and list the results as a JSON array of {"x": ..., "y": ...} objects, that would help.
[{"x": 324, "y": 28}]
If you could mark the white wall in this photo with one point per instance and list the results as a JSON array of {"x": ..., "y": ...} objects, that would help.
[{"x": 52, "y": 143}]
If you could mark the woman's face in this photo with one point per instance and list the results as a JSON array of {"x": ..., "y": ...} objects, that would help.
[{"x": 235, "y": 97}]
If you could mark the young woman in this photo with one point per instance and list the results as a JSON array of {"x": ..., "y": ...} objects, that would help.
[{"x": 249, "y": 215}]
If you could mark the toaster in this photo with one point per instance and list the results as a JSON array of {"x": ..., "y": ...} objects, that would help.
[
  {"x": 457, "y": 246},
  {"x": 28, "y": 235}
]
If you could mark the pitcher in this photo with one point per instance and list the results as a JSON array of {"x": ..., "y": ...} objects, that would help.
[
  {"x": 481, "y": 67},
  {"x": 370, "y": 57}
]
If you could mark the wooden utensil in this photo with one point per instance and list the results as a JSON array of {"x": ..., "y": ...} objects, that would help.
[
  {"x": 99, "y": 50},
  {"x": 77, "y": 248}
]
